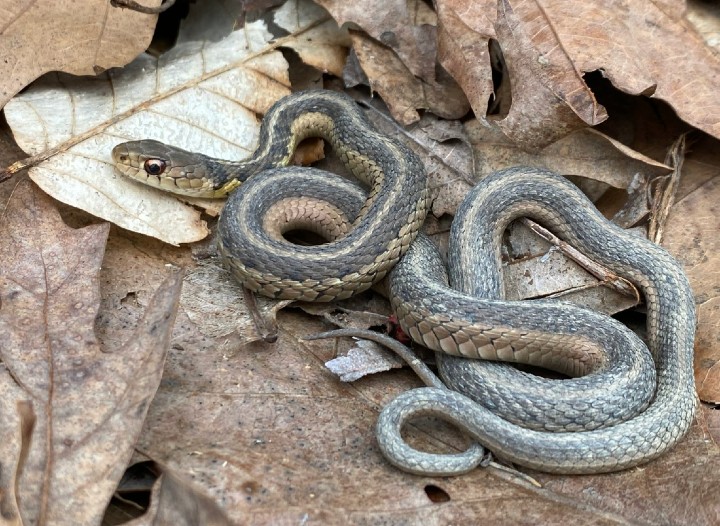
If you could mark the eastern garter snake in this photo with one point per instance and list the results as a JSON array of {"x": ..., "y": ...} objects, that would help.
[{"x": 250, "y": 241}]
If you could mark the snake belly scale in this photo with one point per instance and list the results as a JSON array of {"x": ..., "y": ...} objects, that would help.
[{"x": 387, "y": 224}]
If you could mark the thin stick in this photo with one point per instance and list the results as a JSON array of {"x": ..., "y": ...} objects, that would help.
[{"x": 607, "y": 277}]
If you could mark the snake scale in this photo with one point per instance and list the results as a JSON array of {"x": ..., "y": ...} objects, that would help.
[{"x": 608, "y": 418}]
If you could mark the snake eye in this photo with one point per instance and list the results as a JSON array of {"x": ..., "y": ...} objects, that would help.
[{"x": 155, "y": 166}]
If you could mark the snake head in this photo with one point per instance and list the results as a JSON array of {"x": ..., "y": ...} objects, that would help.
[{"x": 166, "y": 167}]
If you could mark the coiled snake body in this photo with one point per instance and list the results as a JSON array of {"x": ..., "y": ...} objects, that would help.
[
  {"x": 251, "y": 241},
  {"x": 254, "y": 219},
  {"x": 504, "y": 330}
]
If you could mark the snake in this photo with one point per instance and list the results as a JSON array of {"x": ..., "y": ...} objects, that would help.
[{"x": 373, "y": 233}]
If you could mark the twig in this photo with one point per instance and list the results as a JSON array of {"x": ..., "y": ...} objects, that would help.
[
  {"x": 607, "y": 277},
  {"x": 666, "y": 189}
]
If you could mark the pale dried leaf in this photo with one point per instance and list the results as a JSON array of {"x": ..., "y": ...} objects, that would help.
[
  {"x": 90, "y": 405},
  {"x": 324, "y": 46},
  {"x": 83, "y": 38},
  {"x": 539, "y": 270},
  {"x": 586, "y": 152},
  {"x": 173, "y": 99}
]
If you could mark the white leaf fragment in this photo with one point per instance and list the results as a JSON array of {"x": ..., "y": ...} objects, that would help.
[{"x": 365, "y": 358}]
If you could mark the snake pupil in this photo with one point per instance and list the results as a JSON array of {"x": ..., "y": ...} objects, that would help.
[{"x": 155, "y": 166}]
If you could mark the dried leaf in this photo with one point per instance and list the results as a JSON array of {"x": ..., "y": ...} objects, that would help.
[
  {"x": 538, "y": 270},
  {"x": 406, "y": 27},
  {"x": 213, "y": 300},
  {"x": 365, "y": 357},
  {"x": 75, "y": 122},
  {"x": 396, "y": 52},
  {"x": 324, "y": 46},
  {"x": 449, "y": 153},
  {"x": 674, "y": 489},
  {"x": 548, "y": 48},
  {"x": 176, "y": 502},
  {"x": 277, "y": 439},
  {"x": 404, "y": 93},
  {"x": 603, "y": 42},
  {"x": 389, "y": 77},
  {"x": 90, "y": 405},
  {"x": 464, "y": 29},
  {"x": 449, "y": 163},
  {"x": 636, "y": 208},
  {"x": 586, "y": 152},
  {"x": 83, "y": 38},
  {"x": 549, "y": 97}
]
